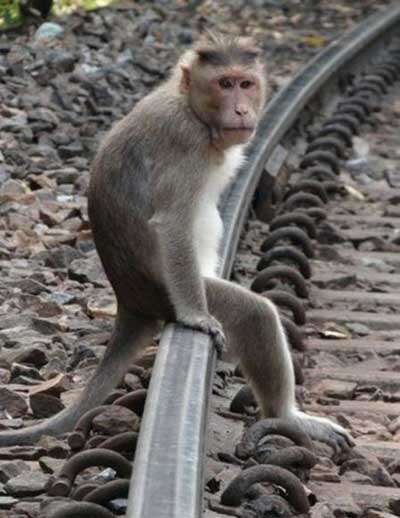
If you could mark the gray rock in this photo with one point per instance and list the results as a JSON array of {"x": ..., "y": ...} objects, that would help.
[
  {"x": 6, "y": 502},
  {"x": 48, "y": 31},
  {"x": 10, "y": 470},
  {"x": 358, "y": 329},
  {"x": 27, "y": 484},
  {"x": 119, "y": 505},
  {"x": 376, "y": 263},
  {"x": 33, "y": 355},
  {"x": 12, "y": 403},
  {"x": 29, "y": 509},
  {"x": 13, "y": 187},
  {"x": 45, "y": 405},
  {"x": 394, "y": 506},
  {"x": 60, "y": 257},
  {"x": 62, "y": 60},
  {"x": 18, "y": 369},
  {"x": 61, "y": 298},
  {"x": 22, "y": 452},
  {"x": 50, "y": 465},
  {"x": 88, "y": 270},
  {"x": 116, "y": 419},
  {"x": 54, "y": 447}
]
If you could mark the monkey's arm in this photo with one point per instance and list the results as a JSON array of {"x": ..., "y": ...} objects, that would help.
[{"x": 172, "y": 224}]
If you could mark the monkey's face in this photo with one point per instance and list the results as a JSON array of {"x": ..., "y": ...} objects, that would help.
[{"x": 228, "y": 100}]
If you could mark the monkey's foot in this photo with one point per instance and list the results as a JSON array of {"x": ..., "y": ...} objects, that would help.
[
  {"x": 209, "y": 325},
  {"x": 323, "y": 430}
]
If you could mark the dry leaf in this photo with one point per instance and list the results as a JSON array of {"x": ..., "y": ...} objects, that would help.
[
  {"x": 314, "y": 40},
  {"x": 358, "y": 195},
  {"x": 333, "y": 330},
  {"x": 102, "y": 308},
  {"x": 47, "y": 385}
]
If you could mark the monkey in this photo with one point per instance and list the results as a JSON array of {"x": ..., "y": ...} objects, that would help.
[{"x": 153, "y": 207}]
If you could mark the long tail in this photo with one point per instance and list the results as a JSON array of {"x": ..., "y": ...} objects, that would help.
[{"x": 130, "y": 335}]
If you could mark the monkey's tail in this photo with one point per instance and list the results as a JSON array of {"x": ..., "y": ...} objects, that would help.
[{"x": 131, "y": 333}]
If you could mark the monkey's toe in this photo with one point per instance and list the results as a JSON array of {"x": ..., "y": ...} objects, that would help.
[{"x": 323, "y": 430}]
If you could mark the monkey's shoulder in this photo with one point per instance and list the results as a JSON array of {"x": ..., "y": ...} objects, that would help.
[{"x": 165, "y": 119}]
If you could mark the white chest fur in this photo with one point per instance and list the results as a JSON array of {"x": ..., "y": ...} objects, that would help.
[{"x": 207, "y": 224}]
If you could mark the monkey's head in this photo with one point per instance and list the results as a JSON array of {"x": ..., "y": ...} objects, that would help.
[{"x": 225, "y": 85}]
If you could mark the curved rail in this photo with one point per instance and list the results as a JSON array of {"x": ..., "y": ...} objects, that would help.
[{"x": 168, "y": 470}]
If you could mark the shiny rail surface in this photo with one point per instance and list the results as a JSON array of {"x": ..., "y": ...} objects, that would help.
[{"x": 168, "y": 469}]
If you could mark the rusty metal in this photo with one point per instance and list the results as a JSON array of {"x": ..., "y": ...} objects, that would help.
[
  {"x": 354, "y": 101},
  {"x": 302, "y": 199},
  {"x": 354, "y": 111},
  {"x": 286, "y": 273},
  {"x": 115, "y": 394},
  {"x": 389, "y": 72},
  {"x": 236, "y": 490},
  {"x": 286, "y": 299},
  {"x": 373, "y": 80},
  {"x": 270, "y": 444},
  {"x": 323, "y": 157},
  {"x": 95, "y": 441},
  {"x": 124, "y": 443},
  {"x": 299, "y": 219},
  {"x": 329, "y": 142},
  {"x": 85, "y": 459},
  {"x": 296, "y": 457},
  {"x": 298, "y": 369},
  {"x": 286, "y": 254},
  {"x": 295, "y": 235},
  {"x": 338, "y": 129},
  {"x": 78, "y": 437},
  {"x": 80, "y": 510},
  {"x": 134, "y": 401},
  {"x": 316, "y": 213},
  {"x": 110, "y": 491},
  {"x": 319, "y": 173},
  {"x": 294, "y": 335},
  {"x": 334, "y": 187},
  {"x": 309, "y": 186},
  {"x": 82, "y": 490},
  {"x": 253, "y": 435},
  {"x": 266, "y": 505},
  {"x": 347, "y": 120}
]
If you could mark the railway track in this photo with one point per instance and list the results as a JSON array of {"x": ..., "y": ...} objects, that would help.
[{"x": 324, "y": 247}]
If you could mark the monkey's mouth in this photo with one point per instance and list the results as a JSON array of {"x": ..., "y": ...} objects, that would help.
[{"x": 249, "y": 130}]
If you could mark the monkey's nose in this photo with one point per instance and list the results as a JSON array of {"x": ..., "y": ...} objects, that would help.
[{"x": 240, "y": 109}]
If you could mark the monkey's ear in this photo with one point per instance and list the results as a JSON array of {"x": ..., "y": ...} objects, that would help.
[{"x": 185, "y": 79}]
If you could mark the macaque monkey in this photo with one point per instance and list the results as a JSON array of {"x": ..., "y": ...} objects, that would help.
[{"x": 155, "y": 186}]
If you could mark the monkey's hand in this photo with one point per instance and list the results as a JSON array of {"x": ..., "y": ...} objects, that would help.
[
  {"x": 207, "y": 324},
  {"x": 323, "y": 430}
]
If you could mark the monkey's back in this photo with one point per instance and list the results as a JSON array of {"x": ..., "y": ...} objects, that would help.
[{"x": 130, "y": 162}]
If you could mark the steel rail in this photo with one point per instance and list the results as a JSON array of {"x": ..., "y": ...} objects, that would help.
[{"x": 167, "y": 479}]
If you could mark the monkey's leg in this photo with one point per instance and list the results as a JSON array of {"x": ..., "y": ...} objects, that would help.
[
  {"x": 131, "y": 333},
  {"x": 255, "y": 335}
]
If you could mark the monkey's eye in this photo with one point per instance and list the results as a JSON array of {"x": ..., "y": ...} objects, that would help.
[
  {"x": 246, "y": 84},
  {"x": 225, "y": 83}
]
